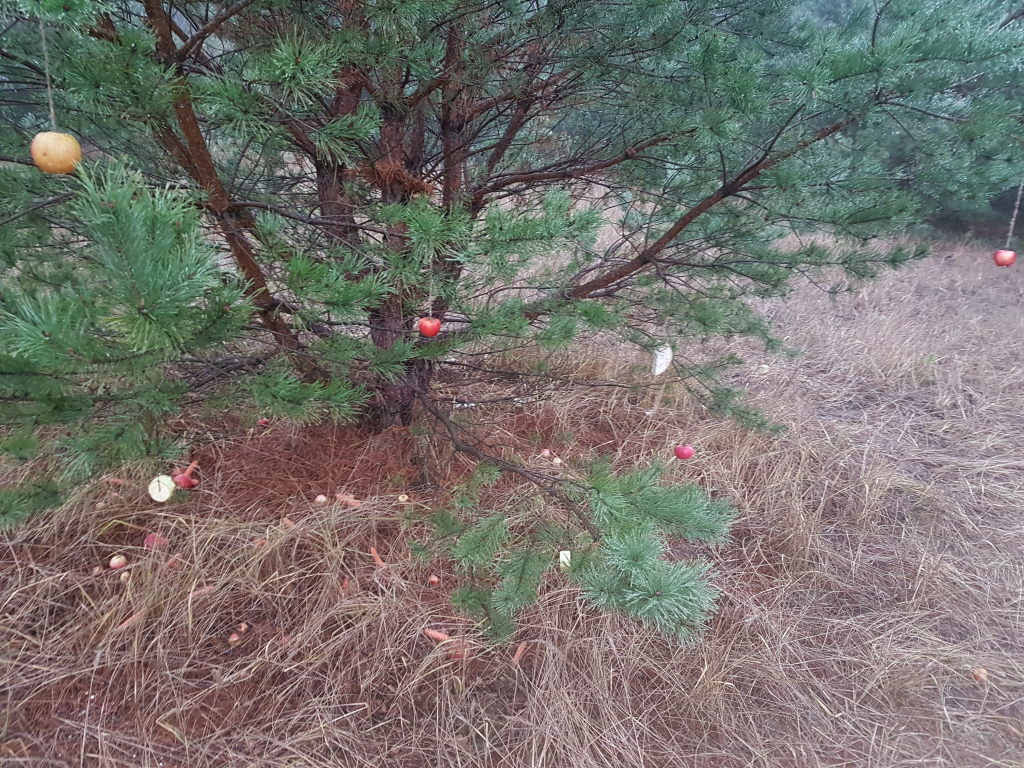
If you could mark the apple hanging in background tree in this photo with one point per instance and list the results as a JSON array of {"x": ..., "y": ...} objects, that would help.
[
  {"x": 55, "y": 152},
  {"x": 684, "y": 452},
  {"x": 429, "y": 326},
  {"x": 1004, "y": 258}
]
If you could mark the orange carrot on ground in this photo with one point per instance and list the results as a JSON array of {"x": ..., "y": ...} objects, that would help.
[
  {"x": 433, "y": 634},
  {"x": 377, "y": 558},
  {"x": 135, "y": 617},
  {"x": 518, "y": 655}
]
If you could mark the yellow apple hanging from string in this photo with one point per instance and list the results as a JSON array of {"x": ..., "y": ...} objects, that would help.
[{"x": 55, "y": 152}]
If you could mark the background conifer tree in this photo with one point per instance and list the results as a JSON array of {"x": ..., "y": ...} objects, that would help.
[{"x": 276, "y": 191}]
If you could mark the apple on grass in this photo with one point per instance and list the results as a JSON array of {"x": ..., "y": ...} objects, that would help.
[{"x": 684, "y": 452}]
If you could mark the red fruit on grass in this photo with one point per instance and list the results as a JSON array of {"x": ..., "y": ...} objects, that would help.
[
  {"x": 429, "y": 326},
  {"x": 263, "y": 422},
  {"x": 184, "y": 480},
  {"x": 154, "y": 541},
  {"x": 1004, "y": 258},
  {"x": 684, "y": 451}
]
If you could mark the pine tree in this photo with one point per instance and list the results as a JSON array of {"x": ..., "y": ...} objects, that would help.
[{"x": 277, "y": 191}]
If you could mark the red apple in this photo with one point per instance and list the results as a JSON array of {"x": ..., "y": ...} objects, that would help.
[
  {"x": 1004, "y": 258},
  {"x": 263, "y": 422},
  {"x": 429, "y": 326},
  {"x": 684, "y": 451},
  {"x": 154, "y": 541}
]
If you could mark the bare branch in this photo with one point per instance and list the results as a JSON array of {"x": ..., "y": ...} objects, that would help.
[
  {"x": 208, "y": 29},
  {"x": 532, "y": 177},
  {"x": 1018, "y": 14}
]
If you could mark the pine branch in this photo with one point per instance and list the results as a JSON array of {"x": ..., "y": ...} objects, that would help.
[
  {"x": 316, "y": 221},
  {"x": 1018, "y": 14},
  {"x": 23, "y": 62},
  {"x": 36, "y": 206},
  {"x": 210, "y": 28},
  {"x": 17, "y": 160},
  {"x": 533, "y": 177},
  {"x": 736, "y": 184},
  {"x": 234, "y": 228},
  {"x": 546, "y": 483}
]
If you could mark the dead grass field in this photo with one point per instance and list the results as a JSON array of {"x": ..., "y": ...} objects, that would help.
[{"x": 876, "y": 569}]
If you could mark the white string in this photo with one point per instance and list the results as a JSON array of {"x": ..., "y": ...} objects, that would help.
[
  {"x": 1013, "y": 219},
  {"x": 46, "y": 69}
]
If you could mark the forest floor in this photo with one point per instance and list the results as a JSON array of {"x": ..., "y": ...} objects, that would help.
[{"x": 873, "y": 590}]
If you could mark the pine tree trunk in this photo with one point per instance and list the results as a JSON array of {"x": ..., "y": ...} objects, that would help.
[{"x": 396, "y": 399}]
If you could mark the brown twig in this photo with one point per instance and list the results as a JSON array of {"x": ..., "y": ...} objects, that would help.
[{"x": 208, "y": 29}]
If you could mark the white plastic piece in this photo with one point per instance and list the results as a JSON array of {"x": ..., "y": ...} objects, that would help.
[
  {"x": 662, "y": 360},
  {"x": 161, "y": 488},
  {"x": 564, "y": 559}
]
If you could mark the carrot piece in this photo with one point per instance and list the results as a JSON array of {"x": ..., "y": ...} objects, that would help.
[
  {"x": 377, "y": 558},
  {"x": 134, "y": 618},
  {"x": 433, "y": 634},
  {"x": 518, "y": 655}
]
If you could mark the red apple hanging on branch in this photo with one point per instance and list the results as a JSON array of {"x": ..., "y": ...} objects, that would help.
[
  {"x": 1004, "y": 258},
  {"x": 429, "y": 326}
]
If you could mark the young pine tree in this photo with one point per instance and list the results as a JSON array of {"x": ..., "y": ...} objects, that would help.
[{"x": 276, "y": 192}]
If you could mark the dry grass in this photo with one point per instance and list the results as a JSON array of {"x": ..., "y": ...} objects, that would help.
[{"x": 877, "y": 562}]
